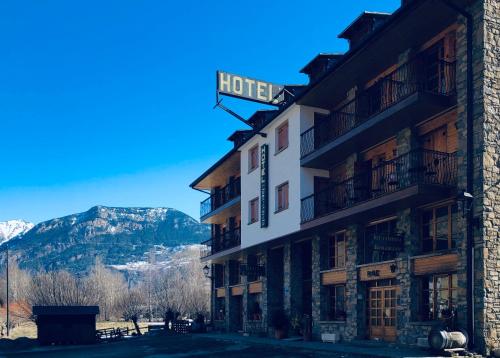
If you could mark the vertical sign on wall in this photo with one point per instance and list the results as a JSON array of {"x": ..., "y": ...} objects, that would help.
[{"x": 264, "y": 185}]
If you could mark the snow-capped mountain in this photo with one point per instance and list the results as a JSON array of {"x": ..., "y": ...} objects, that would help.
[
  {"x": 13, "y": 228},
  {"x": 120, "y": 237}
]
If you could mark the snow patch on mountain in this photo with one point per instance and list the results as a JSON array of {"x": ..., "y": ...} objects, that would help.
[{"x": 12, "y": 228}]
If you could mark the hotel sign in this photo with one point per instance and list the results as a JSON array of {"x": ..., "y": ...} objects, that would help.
[
  {"x": 249, "y": 88},
  {"x": 264, "y": 185}
]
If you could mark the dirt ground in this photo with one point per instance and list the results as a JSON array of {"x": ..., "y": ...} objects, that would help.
[{"x": 161, "y": 345}]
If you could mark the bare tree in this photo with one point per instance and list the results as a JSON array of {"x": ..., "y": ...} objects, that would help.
[
  {"x": 106, "y": 286},
  {"x": 131, "y": 305}
]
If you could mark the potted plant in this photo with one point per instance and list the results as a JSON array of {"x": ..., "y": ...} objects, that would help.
[
  {"x": 279, "y": 321},
  {"x": 296, "y": 325}
]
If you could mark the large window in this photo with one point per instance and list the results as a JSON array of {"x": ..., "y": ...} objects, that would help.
[
  {"x": 438, "y": 228},
  {"x": 282, "y": 197},
  {"x": 337, "y": 250},
  {"x": 218, "y": 275},
  {"x": 234, "y": 273},
  {"x": 220, "y": 309},
  {"x": 438, "y": 296},
  {"x": 253, "y": 158},
  {"x": 253, "y": 211},
  {"x": 254, "y": 307},
  {"x": 282, "y": 137},
  {"x": 335, "y": 303},
  {"x": 381, "y": 241}
]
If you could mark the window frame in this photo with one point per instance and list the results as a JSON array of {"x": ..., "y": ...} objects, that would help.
[
  {"x": 279, "y": 209},
  {"x": 333, "y": 252},
  {"x": 332, "y": 314},
  {"x": 252, "y": 220},
  {"x": 433, "y": 223},
  {"x": 250, "y": 158},
  {"x": 428, "y": 309},
  {"x": 279, "y": 149}
]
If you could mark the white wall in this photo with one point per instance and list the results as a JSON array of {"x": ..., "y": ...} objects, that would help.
[{"x": 283, "y": 167}]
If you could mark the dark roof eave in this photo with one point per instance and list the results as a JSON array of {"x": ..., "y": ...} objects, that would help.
[
  {"x": 347, "y": 30},
  {"x": 213, "y": 167}
]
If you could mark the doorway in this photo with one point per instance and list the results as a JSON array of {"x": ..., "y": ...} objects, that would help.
[{"x": 382, "y": 313}]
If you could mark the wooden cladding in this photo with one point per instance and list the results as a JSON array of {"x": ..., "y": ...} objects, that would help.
[
  {"x": 220, "y": 292},
  {"x": 378, "y": 271},
  {"x": 435, "y": 264},
  {"x": 237, "y": 291},
  {"x": 334, "y": 277},
  {"x": 255, "y": 287}
]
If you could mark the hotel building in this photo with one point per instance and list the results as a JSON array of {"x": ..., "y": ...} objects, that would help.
[{"x": 369, "y": 201}]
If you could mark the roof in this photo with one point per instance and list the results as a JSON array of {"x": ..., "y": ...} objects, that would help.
[
  {"x": 318, "y": 57},
  {"x": 213, "y": 167},
  {"x": 364, "y": 15},
  {"x": 65, "y": 310}
]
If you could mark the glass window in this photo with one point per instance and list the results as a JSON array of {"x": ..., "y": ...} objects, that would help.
[
  {"x": 438, "y": 228},
  {"x": 234, "y": 273},
  {"x": 282, "y": 197},
  {"x": 219, "y": 275},
  {"x": 253, "y": 211},
  {"x": 220, "y": 309},
  {"x": 253, "y": 158},
  {"x": 438, "y": 296},
  {"x": 337, "y": 250},
  {"x": 282, "y": 137},
  {"x": 382, "y": 242},
  {"x": 335, "y": 310}
]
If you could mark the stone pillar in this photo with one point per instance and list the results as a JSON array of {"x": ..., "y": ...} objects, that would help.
[
  {"x": 264, "y": 294},
  {"x": 316, "y": 286},
  {"x": 287, "y": 271},
  {"x": 355, "y": 292},
  {"x": 228, "y": 296}
]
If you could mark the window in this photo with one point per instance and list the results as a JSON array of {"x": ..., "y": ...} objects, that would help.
[
  {"x": 218, "y": 275},
  {"x": 253, "y": 212},
  {"x": 253, "y": 158},
  {"x": 438, "y": 296},
  {"x": 382, "y": 242},
  {"x": 254, "y": 307},
  {"x": 220, "y": 309},
  {"x": 234, "y": 273},
  {"x": 282, "y": 197},
  {"x": 438, "y": 228},
  {"x": 335, "y": 303},
  {"x": 253, "y": 262},
  {"x": 282, "y": 137},
  {"x": 337, "y": 250}
]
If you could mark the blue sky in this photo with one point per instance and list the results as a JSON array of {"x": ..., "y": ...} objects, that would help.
[{"x": 110, "y": 102}]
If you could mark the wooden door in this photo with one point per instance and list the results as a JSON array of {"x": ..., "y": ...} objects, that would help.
[{"x": 382, "y": 313}]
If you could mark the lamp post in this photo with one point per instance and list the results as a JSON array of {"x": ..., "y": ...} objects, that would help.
[{"x": 206, "y": 272}]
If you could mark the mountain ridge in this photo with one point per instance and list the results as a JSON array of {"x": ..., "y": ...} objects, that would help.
[{"x": 116, "y": 235}]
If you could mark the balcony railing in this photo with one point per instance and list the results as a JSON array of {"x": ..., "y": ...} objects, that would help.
[
  {"x": 221, "y": 242},
  {"x": 415, "y": 167},
  {"x": 221, "y": 197},
  {"x": 419, "y": 75}
]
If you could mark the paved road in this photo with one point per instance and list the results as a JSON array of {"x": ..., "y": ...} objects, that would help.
[{"x": 173, "y": 346}]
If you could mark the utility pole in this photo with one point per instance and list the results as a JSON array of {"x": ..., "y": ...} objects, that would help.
[{"x": 7, "y": 272}]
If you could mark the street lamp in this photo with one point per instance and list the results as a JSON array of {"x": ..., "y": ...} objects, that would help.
[{"x": 206, "y": 272}]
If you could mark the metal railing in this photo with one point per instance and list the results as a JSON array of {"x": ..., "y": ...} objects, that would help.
[
  {"x": 416, "y": 167},
  {"x": 420, "y": 74},
  {"x": 221, "y": 242},
  {"x": 221, "y": 197}
]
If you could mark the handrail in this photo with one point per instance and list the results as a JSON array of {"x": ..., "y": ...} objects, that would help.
[
  {"x": 419, "y": 166},
  {"x": 221, "y": 242},
  {"x": 220, "y": 197},
  {"x": 418, "y": 74}
]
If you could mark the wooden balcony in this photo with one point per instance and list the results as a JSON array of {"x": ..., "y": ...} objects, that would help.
[
  {"x": 221, "y": 243},
  {"x": 415, "y": 178},
  {"x": 416, "y": 90},
  {"x": 220, "y": 201}
]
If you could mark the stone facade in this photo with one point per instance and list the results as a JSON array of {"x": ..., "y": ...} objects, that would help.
[{"x": 282, "y": 284}]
